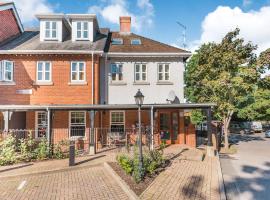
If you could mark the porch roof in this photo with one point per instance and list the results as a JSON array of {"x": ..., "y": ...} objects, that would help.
[{"x": 104, "y": 106}]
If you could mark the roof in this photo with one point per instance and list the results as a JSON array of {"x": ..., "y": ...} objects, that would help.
[
  {"x": 147, "y": 45},
  {"x": 29, "y": 42},
  {"x": 11, "y": 5}
]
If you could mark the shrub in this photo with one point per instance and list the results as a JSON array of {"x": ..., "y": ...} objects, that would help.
[
  {"x": 26, "y": 147},
  {"x": 61, "y": 149},
  {"x": 8, "y": 151},
  {"x": 43, "y": 150},
  {"x": 126, "y": 163}
]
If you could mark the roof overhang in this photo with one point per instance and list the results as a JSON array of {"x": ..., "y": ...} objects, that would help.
[
  {"x": 50, "y": 16},
  {"x": 146, "y": 54},
  {"x": 81, "y": 16},
  {"x": 5, "y": 52},
  {"x": 105, "y": 107},
  {"x": 11, "y": 5}
]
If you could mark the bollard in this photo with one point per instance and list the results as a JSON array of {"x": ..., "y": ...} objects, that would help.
[{"x": 72, "y": 153}]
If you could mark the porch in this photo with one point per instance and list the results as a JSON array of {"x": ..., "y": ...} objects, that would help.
[{"x": 99, "y": 127}]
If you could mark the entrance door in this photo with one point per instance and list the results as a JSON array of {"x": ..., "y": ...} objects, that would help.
[{"x": 169, "y": 127}]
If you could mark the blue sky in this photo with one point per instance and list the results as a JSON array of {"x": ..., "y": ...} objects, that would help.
[{"x": 206, "y": 20}]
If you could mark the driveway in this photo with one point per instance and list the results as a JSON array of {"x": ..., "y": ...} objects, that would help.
[{"x": 247, "y": 173}]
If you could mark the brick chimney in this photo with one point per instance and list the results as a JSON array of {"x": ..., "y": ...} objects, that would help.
[{"x": 125, "y": 24}]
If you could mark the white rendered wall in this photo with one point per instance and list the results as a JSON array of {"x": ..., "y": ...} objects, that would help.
[{"x": 123, "y": 93}]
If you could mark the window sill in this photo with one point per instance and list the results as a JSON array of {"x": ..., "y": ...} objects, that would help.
[
  {"x": 78, "y": 83},
  {"x": 164, "y": 83},
  {"x": 141, "y": 83},
  {"x": 118, "y": 83},
  {"x": 7, "y": 83},
  {"x": 43, "y": 83}
]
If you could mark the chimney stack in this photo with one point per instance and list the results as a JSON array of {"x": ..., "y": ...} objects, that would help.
[{"x": 125, "y": 24}]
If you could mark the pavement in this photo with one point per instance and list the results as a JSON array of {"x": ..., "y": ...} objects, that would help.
[
  {"x": 89, "y": 179},
  {"x": 247, "y": 173}
]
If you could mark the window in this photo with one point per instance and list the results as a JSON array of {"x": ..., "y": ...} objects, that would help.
[
  {"x": 41, "y": 124},
  {"x": 82, "y": 31},
  {"x": 136, "y": 42},
  {"x": 117, "y": 121},
  {"x": 163, "y": 72},
  {"x": 140, "y": 72},
  {"x": 77, "y": 71},
  {"x": 117, "y": 72},
  {"x": 6, "y": 70},
  {"x": 50, "y": 30},
  {"x": 117, "y": 41},
  {"x": 77, "y": 123},
  {"x": 44, "y": 71}
]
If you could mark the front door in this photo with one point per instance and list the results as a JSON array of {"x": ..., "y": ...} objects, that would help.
[{"x": 169, "y": 127}]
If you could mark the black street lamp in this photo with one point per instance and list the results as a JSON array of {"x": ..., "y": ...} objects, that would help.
[{"x": 139, "y": 101}]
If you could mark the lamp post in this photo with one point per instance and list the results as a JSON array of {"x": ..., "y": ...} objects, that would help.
[{"x": 139, "y": 101}]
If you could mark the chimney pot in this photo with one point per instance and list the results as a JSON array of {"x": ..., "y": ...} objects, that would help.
[{"x": 125, "y": 24}]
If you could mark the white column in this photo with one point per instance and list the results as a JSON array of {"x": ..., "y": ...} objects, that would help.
[{"x": 152, "y": 128}]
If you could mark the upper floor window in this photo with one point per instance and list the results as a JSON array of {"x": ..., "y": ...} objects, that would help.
[
  {"x": 50, "y": 30},
  {"x": 140, "y": 72},
  {"x": 82, "y": 31},
  {"x": 44, "y": 71},
  {"x": 163, "y": 72},
  {"x": 77, "y": 71},
  {"x": 136, "y": 42},
  {"x": 6, "y": 70},
  {"x": 117, "y": 72},
  {"x": 117, "y": 41}
]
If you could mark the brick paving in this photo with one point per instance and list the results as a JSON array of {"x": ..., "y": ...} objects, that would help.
[{"x": 186, "y": 179}]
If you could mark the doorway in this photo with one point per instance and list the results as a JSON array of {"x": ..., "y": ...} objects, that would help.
[{"x": 169, "y": 127}]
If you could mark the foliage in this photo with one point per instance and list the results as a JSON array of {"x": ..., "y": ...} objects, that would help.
[
  {"x": 224, "y": 73},
  {"x": 197, "y": 117},
  {"x": 126, "y": 163},
  {"x": 43, "y": 150},
  {"x": 61, "y": 149},
  {"x": 8, "y": 151},
  {"x": 27, "y": 147}
]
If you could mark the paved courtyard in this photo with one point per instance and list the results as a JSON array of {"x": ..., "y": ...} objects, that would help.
[
  {"x": 247, "y": 173},
  {"x": 184, "y": 179}
]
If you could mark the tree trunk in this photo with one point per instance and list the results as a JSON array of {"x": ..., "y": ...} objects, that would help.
[{"x": 226, "y": 123}]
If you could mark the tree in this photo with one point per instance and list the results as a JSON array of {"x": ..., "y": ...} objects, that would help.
[{"x": 224, "y": 73}]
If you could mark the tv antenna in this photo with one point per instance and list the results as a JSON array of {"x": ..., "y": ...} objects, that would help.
[{"x": 183, "y": 33}]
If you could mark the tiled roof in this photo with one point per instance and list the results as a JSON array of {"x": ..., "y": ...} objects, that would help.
[
  {"x": 30, "y": 41},
  {"x": 147, "y": 45}
]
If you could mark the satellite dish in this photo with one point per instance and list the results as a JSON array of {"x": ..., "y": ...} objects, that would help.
[{"x": 171, "y": 96}]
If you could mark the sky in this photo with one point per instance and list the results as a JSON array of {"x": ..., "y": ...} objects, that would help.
[{"x": 205, "y": 20}]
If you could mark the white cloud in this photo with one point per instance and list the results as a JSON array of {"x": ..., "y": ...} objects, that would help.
[
  {"x": 28, "y": 8},
  {"x": 254, "y": 25},
  {"x": 115, "y": 8}
]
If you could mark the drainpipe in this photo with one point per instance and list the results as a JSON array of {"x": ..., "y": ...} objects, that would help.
[
  {"x": 49, "y": 125},
  {"x": 92, "y": 77},
  {"x": 152, "y": 127}
]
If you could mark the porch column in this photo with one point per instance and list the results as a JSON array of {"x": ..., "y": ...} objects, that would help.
[
  {"x": 152, "y": 127},
  {"x": 92, "y": 142},
  {"x": 49, "y": 126},
  {"x": 210, "y": 149}
]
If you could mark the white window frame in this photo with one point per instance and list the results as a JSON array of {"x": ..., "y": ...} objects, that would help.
[
  {"x": 82, "y": 125},
  {"x": 3, "y": 71},
  {"x": 120, "y": 123},
  {"x": 43, "y": 71},
  {"x": 82, "y": 30},
  {"x": 163, "y": 72},
  {"x": 78, "y": 71},
  {"x": 135, "y": 39},
  {"x": 50, "y": 29},
  {"x": 37, "y": 125},
  {"x": 140, "y": 72},
  {"x": 117, "y": 73},
  {"x": 117, "y": 41}
]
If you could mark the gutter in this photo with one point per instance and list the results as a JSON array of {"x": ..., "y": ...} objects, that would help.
[
  {"x": 116, "y": 54},
  {"x": 49, "y": 52}
]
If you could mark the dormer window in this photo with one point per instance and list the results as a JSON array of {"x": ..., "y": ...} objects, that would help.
[
  {"x": 82, "y": 31},
  {"x": 117, "y": 41},
  {"x": 136, "y": 42},
  {"x": 50, "y": 30}
]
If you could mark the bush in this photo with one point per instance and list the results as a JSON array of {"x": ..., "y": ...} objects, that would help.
[
  {"x": 43, "y": 150},
  {"x": 61, "y": 149},
  {"x": 8, "y": 151},
  {"x": 126, "y": 163},
  {"x": 26, "y": 147}
]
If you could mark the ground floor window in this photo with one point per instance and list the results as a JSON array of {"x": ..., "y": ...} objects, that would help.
[
  {"x": 41, "y": 124},
  {"x": 77, "y": 123},
  {"x": 117, "y": 121}
]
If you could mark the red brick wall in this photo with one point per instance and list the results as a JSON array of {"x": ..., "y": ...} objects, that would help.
[
  {"x": 9, "y": 26},
  {"x": 58, "y": 93}
]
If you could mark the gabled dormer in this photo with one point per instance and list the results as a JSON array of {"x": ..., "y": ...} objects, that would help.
[
  {"x": 84, "y": 27},
  {"x": 52, "y": 27}
]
